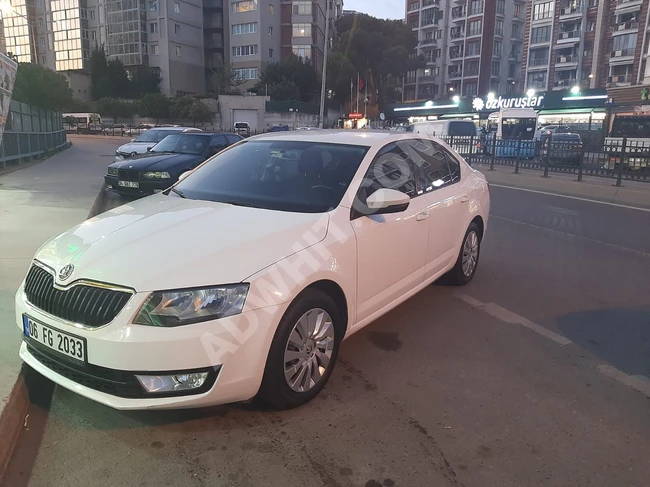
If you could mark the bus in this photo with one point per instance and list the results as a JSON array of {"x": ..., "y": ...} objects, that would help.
[
  {"x": 511, "y": 132},
  {"x": 82, "y": 123},
  {"x": 636, "y": 130}
]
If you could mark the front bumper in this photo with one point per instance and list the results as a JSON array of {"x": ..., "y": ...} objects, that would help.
[
  {"x": 145, "y": 186},
  {"x": 232, "y": 350}
]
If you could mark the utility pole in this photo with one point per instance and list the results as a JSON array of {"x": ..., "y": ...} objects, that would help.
[{"x": 323, "y": 87}]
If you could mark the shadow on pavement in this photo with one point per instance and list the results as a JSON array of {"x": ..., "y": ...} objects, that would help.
[{"x": 619, "y": 336}]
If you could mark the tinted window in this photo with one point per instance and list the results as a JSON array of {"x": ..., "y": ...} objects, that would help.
[
  {"x": 567, "y": 137},
  {"x": 462, "y": 129},
  {"x": 431, "y": 163},
  {"x": 218, "y": 141},
  {"x": 631, "y": 127},
  {"x": 391, "y": 169},
  {"x": 303, "y": 177},
  {"x": 232, "y": 139},
  {"x": 454, "y": 166},
  {"x": 518, "y": 128},
  {"x": 181, "y": 144},
  {"x": 154, "y": 135}
]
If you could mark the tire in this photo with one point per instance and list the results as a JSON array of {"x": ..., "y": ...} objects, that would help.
[
  {"x": 275, "y": 391},
  {"x": 458, "y": 275}
]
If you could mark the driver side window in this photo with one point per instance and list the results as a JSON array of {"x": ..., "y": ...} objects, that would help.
[
  {"x": 391, "y": 169},
  {"x": 218, "y": 142}
]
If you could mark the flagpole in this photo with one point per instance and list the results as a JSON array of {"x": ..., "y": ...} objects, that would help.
[
  {"x": 358, "y": 80},
  {"x": 351, "y": 91},
  {"x": 323, "y": 88}
]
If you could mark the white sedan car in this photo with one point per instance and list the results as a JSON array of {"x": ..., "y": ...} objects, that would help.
[{"x": 242, "y": 279}]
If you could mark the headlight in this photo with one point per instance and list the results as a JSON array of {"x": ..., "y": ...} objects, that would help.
[
  {"x": 185, "y": 307},
  {"x": 113, "y": 171},
  {"x": 156, "y": 175}
]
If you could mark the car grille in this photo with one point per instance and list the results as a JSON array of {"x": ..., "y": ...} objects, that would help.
[
  {"x": 126, "y": 175},
  {"x": 86, "y": 305}
]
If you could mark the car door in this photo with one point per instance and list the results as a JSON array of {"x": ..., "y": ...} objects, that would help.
[
  {"x": 439, "y": 176},
  {"x": 391, "y": 248}
]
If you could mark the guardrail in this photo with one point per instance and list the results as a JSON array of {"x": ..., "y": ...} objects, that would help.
[
  {"x": 30, "y": 132},
  {"x": 621, "y": 159}
]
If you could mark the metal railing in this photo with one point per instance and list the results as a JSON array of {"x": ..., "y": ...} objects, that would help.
[
  {"x": 566, "y": 59},
  {"x": 620, "y": 159},
  {"x": 574, "y": 34},
  {"x": 30, "y": 133},
  {"x": 622, "y": 52},
  {"x": 538, "y": 62}
]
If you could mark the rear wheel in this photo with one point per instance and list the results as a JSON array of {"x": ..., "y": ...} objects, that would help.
[
  {"x": 303, "y": 352},
  {"x": 467, "y": 262}
]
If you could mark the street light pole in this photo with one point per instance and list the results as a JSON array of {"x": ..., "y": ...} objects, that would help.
[{"x": 321, "y": 118}]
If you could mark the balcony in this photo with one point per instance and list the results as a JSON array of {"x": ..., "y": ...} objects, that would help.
[
  {"x": 474, "y": 32},
  {"x": 571, "y": 36},
  {"x": 516, "y": 36},
  {"x": 567, "y": 13},
  {"x": 415, "y": 25},
  {"x": 457, "y": 34},
  {"x": 566, "y": 60},
  {"x": 565, "y": 83},
  {"x": 427, "y": 22},
  {"x": 538, "y": 63},
  {"x": 622, "y": 55},
  {"x": 427, "y": 42},
  {"x": 458, "y": 13},
  {"x": 540, "y": 40},
  {"x": 428, "y": 3},
  {"x": 458, "y": 73},
  {"x": 619, "y": 80},
  {"x": 471, "y": 72},
  {"x": 623, "y": 5},
  {"x": 456, "y": 54},
  {"x": 623, "y": 28},
  {"x": 514, "y": 56}
]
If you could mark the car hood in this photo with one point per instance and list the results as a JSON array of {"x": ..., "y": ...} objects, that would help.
[
  {"x": 137, "y": 147},
  {"x": 165, "y": 242},
  {"x": 159, "y": 162}
]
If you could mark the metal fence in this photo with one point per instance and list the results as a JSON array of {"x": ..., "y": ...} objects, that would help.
[
  {"x": 30, "y": 132},
  {"x": 620, "y": 159}
]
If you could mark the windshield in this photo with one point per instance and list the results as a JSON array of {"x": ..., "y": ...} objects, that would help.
[
  {"x": 154, "y": 135},
  {"x": 638, "y": 127},
  {"x": 182, "y": 144},
  {"x": 462, "y": 129},
  {"x": 518, "y": 128},
  {"x": 303, "y": 177}
]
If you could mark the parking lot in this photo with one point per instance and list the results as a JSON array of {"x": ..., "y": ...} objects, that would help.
[{"x": 537, "y": 373}]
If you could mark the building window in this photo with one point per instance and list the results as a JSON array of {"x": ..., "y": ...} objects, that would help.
[
  {"x": 302, "y": 30},
  {"x": 43, "y": 60},
  {"x": 270, "y": 52},
  {"x": 512, "y": 71},
  {"x": 476, "y": 7},
  {"x": 178, "y": 51},
  {"x": 238, "y": 51},
  {"x": 271, "y": 9},
  {"x": 591, "y": 26},
  {"x": 498, "y": 28},
  {"x": 436, "y": 35},
  {"x": 543, "y": 11},
  {"x": 476, "y": 26},
  {"x": 177, "y": 29},
  {"x": 39, "y": 3},
  {"x": 501, "y": 7},
  {"x": 498, "y": 47},
  {"x": 516, "y": 31},
  {"x": 92, "y": 15},
  {"x": 93, "y": 35},
  {"x": 153, "y": 28},
  {"x": 627, "y": 41},
  {"x": 517, "y": 11},
  {"x": 302, "y": 8},
  {"x": 177, "y": 7},
  {"x": 470, "y": 88},
  {"x": 270, "y": 31},
  {"x": 494, "y": 85},
  {"x": 537, "y": 80},
  {"x": 41, "y": 42},
  {"x": 302, "y": 51},
  {"x": 471, "y": 68},
  {"x": 540, "y": 34},
  {"x": 155, "y": 49},
  {"x": 593, "y": 3},
  {"x": 474, "y": 48},
  {"x": 41, "y": 22},
  {"x": 153, "y": 5},
  {"x": 244, "y": 6},
  {"x": 246, "y": 73},
  {"x": 238, "y": 29},
  {"x": 496, "y": 68}
]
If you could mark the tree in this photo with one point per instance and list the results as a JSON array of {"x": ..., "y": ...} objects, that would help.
[
  {"x": 108, "y": 78},
  {"x": 41, "y": 87},
  {"x": 144, "y": 80},
  {"x": 381, "y": 50},
  {"x": 292, "y": 69},
  {"x": 340, "y": 72},
  {"x": 222, "y": 78},
  {"x": 199, "y": 112},
  {"x": 115, "y": 108},
  {"x": 180, "y": 107},
  {"x": 285, "y": 90},
  {"x": 155, "y": 105}
]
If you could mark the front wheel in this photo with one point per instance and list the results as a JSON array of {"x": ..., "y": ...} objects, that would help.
[
  {"x": 467, "y": 262},
  {"x": 303, "y": 352}
]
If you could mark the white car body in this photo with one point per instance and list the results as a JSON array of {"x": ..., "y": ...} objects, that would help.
[
  {"x": 165, "y": 242},
  {"x": 136, "y": 147}
]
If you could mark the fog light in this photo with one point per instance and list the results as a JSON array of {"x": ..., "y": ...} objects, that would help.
[{"x": 172, "y": 383}]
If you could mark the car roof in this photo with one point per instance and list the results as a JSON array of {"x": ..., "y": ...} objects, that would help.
[
  {"x": 210, "y": 134},
  {"x": 342, "y": 137}
]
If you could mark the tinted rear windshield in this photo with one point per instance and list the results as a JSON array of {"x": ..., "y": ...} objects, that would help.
[{"x": 462, "y": 129}]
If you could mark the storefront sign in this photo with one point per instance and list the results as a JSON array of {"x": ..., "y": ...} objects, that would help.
[
  {"x": 355, "y": 115},
  {"x": 496, "y": 103}
]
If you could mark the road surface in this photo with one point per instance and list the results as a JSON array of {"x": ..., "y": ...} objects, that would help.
[{"x": 537, "y": 373}]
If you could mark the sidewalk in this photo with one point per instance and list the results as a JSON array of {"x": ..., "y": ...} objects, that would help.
[
  {"x": 36, "y": 203},
  {"x": 631, "y": 193}
]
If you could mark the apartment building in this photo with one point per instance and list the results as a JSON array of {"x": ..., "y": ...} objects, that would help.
[
  {"x": 164, "y": 34},
  {"x": 586, "y": 44},
  {"x": 471, "y": 47}
]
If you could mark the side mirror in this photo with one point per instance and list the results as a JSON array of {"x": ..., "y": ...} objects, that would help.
[
  {"x": 183, "y": 176},
  {"x": 388, "y": 201},
  {"x": 149, "y": 149}
]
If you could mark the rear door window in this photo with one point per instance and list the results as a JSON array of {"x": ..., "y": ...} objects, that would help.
[{"x": 432, "y": 169}]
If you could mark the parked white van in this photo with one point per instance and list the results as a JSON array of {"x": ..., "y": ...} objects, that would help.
[{"x": 446, "y": 128}]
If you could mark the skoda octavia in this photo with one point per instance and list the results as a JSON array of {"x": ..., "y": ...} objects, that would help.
[{"x": 242, "y": 279}]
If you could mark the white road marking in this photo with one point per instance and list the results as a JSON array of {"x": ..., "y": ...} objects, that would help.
[
  {"x": 570, "y": 197},
  {"x": 508, "y": 316},
  {"x": 637, "y": 382}
]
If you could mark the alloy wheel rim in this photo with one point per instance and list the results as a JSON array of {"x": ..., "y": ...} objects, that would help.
[
  {"x": 309, "y": 349},
  {"x": 470, "y": 253}
]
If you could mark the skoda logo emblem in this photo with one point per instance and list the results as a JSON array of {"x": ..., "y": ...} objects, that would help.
[{"x": 65, "y": 272}]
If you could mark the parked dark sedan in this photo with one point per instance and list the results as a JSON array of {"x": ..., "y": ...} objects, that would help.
[
  {"x": 563, "y": 149},
  {"x": 161, "y": 167}
]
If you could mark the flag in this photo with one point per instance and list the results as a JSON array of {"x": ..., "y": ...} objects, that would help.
[{"x": 361, "y": 84}]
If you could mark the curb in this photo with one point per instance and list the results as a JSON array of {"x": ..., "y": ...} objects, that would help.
[{"x": 30, "y": 387}]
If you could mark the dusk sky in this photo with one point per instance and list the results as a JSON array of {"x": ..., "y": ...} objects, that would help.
[{"x": 385, "y": 9}]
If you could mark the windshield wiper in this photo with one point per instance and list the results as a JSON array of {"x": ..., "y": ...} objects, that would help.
[
  {"x": 241, "y": 203},
  {"x": 178, "y": 192}
]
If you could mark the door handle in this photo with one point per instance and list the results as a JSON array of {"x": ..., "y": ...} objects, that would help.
[
  {"x": 422, "y": 216},
  {"x": 464, "y": 199}
]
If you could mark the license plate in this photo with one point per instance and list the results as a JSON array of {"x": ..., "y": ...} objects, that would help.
[
  {"x": 59, "y": 341},
  {"x": 129, "y": 184}
]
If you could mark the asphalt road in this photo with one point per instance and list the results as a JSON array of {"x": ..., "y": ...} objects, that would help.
[{"x": 537, "y": 373}]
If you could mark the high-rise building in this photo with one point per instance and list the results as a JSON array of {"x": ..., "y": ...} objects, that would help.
[
  {"x": 163, "y": 34},
  {"x": 587, "y": 44},
  {"x": 470, "y": 47}
]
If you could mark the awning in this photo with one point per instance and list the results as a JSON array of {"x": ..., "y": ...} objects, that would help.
[{"x": 565, "y": 111}]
